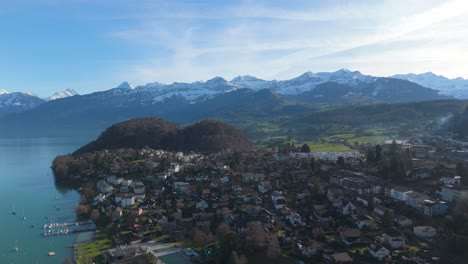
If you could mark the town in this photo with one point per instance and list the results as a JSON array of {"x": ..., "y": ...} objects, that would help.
[{"x": 399, "y": 202}]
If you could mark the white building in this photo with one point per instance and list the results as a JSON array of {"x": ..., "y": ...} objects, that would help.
[
  {"x": 416, "y": 199},
  {"x": 378, "y": 251},
  {"x": 400, "y": 193},
  {"x": 432, "y": 208},
  {"x": 125, "y": 199},
  {"x": 450, "y": 193},
  {"x": 394, "y": 238}
]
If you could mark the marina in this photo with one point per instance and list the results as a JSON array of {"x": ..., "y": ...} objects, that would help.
[{"x": 56, "y": 229}]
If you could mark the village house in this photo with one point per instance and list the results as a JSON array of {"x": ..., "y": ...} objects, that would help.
[
  {"x": 350, "y": 236},
  {"x": 394, "y": 238},
  {"x": 379, "y": 210},
  {"x": 434, "y": 208},
  {"x": 310, "y": 248},
  {"x": 400, "y": 194},
  {"x": 424, "y": 231},
  {"x": 139, "y": 190},
  {"x": 104, "y": 187},
  {"x": 452, "y": 192},
  {"x": 416, "y": 199},
  {"x": 363, "y": 221},
  {"x": 125, "y": 199},
  {"x": 402, "y": 221},
  {"x": 378, "y": 251},
  {"x": 337, "y": 258},
  {"x": 347, "y": 207}
]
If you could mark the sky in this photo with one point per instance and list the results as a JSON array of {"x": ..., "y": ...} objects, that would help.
[{"x": 87, "y": 45}]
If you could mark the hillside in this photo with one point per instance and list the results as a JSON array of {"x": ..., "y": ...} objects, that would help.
[
  {"x": 459, "y": 123},
  {"x": 204, "y": 136}
]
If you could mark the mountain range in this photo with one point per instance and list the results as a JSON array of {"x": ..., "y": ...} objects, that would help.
[
  {"x": 216, "y": 98},
  {"x": 18, "y": 101}
]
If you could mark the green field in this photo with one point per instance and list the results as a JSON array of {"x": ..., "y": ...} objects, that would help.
[{"x": 85, "y": 253}]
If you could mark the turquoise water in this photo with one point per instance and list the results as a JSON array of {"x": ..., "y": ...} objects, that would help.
[{"x": 27, "y": 183}]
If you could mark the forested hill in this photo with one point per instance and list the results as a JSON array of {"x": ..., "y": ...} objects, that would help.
[{"x": 204, "y": 136}]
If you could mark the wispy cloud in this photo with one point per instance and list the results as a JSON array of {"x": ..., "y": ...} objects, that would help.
[{"x": 280, "y": 41}]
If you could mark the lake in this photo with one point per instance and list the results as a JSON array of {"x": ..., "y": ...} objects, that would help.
[{"x": 27, "y": 186}]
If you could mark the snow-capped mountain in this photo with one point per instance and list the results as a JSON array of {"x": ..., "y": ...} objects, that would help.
[
  {"x": 196, "y": 91},
  {"x": 457, "y": 87},
  {"x": 157, "y": 92},
  {"x": 62, "y": 94},
  {"x": 18, "y": 102},
  {"x": 3, "y": 91},
  {"x": 125, "y": 85}
]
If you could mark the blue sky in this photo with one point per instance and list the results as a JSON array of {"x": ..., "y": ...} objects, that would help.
[{"x": 88, "y": 45}]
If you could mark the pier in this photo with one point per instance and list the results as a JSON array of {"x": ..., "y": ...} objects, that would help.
[{"x": 56, "y": 229}]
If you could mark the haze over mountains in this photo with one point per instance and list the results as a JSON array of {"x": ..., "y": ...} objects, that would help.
[{"x": 189, "y": 102}]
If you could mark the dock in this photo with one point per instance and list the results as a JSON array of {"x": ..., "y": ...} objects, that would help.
[{"x": 57, "y": 229}]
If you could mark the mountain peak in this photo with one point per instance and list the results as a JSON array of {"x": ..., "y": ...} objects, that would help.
[
  {"x": 216, "y": 79},
  {"x": 3, "y": 91},
  {"x": 62, "y": 94},
  {"x": 125, "y": 85},
  {"x": 246, "y": 78}
]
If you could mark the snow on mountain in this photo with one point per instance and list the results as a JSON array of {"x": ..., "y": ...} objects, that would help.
[
  {"x": 249, "y": 82},
  {"x": 19, "y": 100},
  {"x": 310, "y": 80},
  {"x": 189, "y": 91},
  {"x": 62, "y": 94},
  {"x": 125, "y": 85},
  {"x": 3, "y": 91},
  {"x": 457, "y": 87}
]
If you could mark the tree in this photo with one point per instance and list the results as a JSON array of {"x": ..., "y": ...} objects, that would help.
[
  {"x": 370, "y": 203},
  {"x": 82, "y": 210},
  {"x": 273, "y": 248},
  {"x": 233, "y": 259},
  {"x": 312, "y": 164},
  {"x": 255, "y": 235},
  {"x": 316, "y": 189},
  {"x": 460, "y": 169},
  {"x": 229, "y": 244},
  {"x": 199, "y": 237},
  {"x": 340, "y": 161},
  {"x": 387, "y": 219},
  {"x": 222, "y": 230},
  {"x": 94, "y": 215},
  {"x": 305, "y": 148},
  {"x": 378, "y": 153},
  {"x": 370, "y": 156}
]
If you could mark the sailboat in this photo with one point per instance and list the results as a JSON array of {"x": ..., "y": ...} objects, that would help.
[
  {"x": 13, "y": 212},
  {"x": 24, "y": 217},
  {"x": 16, "y": 246}
]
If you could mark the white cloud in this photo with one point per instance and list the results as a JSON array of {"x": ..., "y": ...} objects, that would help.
[{"x": 279, "y": 42}]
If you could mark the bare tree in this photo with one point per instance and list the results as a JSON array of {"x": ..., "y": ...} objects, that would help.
[
  {"x": 222, "y": 230},
  {"x": 255, "y": 235},
  {"x": 273, "y": 248},
  {"x": 199, "y": 237}
]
